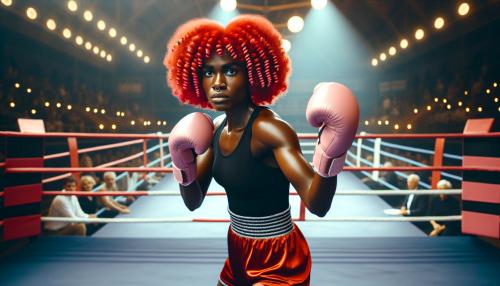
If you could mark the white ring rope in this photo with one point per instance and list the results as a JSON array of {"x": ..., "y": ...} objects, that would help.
[{"x": 184, "y": 219}]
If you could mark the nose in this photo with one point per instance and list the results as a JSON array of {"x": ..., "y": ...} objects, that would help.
[{"x": 219, "y": 83}]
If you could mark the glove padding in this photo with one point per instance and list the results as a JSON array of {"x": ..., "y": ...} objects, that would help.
[
  {"x": 334, "y": 109},
  {"x": 191, "y": 135}
]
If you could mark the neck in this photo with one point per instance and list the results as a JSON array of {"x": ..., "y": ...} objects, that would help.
[{"x": 238, "y": 117}]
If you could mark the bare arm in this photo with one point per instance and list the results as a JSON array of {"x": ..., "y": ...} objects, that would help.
[{"x": 315, "y": 191}]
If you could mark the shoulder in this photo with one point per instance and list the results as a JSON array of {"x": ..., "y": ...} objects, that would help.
[
  {"x": 272, "y": 130},
  {"x": 60, "y": 200},
  {"x": 218, "y": 121}
]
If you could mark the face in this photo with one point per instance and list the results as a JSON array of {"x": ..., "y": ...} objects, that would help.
[
  {"x": 109, "y": 180},
  {"x": 225, "y": 82},
  {"x": 87, "y": 186},
  {"x": 412, "y": 184},
  {"x": 70, "y": 187}
]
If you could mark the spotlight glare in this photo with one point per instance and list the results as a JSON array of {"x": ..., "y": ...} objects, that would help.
[
  {"x": 319, "y": 4},
  {"x": 113, "y": 126},
  {"x": 396, "y": 126},
  {"x": 28, "y": 90},
  {"x": 392, "y": 51},
  {"x": 460, "y": 103},
  {"x": 286, "y": 45},
  {"x": 123, "y": 40},
  {"x": 463, "y": 9},
  {"x": 96, "y": 110},
  {"x": 72, "y": 6},
  {"x": 415, "y": 110},
  {"x": 228, "y": 5},
  {"x": 439, "y": 23},
  {"x": 467, "y": 109},
  {"x": 139, "y": 53},
  {"x": 374, "y": 62},
  {"x": 103, "y": 54},
  {"x": 466, "y": 92},
  {"x": 480, "y": 109},
  {"x": 488, "y": 91},
  {"x": 87, "y": 109},
  {"x": 132, "y": 122},
  {"x": 79, "y": 40},
  {"x": 419, "y": 34},
  {"x": 409, "y": 126},
  {"x": 33, "y": 111},
  {"x": 58, "y": 105},
  {"x": 66, "y": 33},
  {"x": 95, "y": 50},
  {"x": 403, "y": 44},
  {"x": 7, "y": 3},
  {"x": 429, "y": 108},
  {"x": 112, "y": 32},
  {"x": 69, "y": 107},
  {"x": 103, "y": 111},
  {"x": 31, "y": 13},
  {"x": 109, "y": 58},
  {"x": 88, "y": 45},
  {"x": 101, "y": 25},
  {"x": 146, "y": 59},
  {"x": 131, "y": 47},
  {"x": 12, "y": 104},
  {"x": 17, "y": 85},
  {"x": 383, "y": 57},
  {"x": 88, "y": 16},
  {"x": 448, "y": 106},
  {"x": 51, "y": 24},
  {"x": 101, "y": 126},
  {"x": 295, "y": 24}
]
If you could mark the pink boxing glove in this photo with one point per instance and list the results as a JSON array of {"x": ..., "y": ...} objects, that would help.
[
  {"x": 334, "y": 109},
  {"x": 193, "y": 133}
]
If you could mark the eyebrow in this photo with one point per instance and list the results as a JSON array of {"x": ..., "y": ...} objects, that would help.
[{"x": 223, "y": 66}]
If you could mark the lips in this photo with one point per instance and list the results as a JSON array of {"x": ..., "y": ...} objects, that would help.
[{"x": 218, "y": 98}]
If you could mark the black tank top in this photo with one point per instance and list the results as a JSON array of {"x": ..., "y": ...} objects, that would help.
[{"x": 252, "y": 187}]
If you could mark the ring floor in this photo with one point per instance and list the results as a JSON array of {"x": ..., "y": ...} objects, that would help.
[{"x": 343, "y": 253}]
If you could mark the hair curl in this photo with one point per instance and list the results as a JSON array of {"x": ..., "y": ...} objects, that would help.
[{"x": 249, "y": 39}]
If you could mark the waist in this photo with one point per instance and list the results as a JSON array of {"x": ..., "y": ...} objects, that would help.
[{"x": 263, "y": 226}]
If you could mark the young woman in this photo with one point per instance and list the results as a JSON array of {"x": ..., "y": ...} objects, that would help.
[{"x": 250, "y": 150}]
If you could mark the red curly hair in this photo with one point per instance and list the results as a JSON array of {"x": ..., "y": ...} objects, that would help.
[{"x": 249, "y": 39}]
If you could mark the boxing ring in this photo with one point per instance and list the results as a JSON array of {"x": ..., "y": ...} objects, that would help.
[{"x": 161, "y": 242}]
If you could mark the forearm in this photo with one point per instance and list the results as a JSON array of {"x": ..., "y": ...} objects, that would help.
[{"x": 320, "y": 194}]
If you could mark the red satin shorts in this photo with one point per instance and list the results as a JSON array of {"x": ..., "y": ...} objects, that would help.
[{"x": 281, "y": 260}]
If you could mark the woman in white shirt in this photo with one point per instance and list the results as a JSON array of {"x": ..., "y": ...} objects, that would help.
[{"x": 67, "y": 206}]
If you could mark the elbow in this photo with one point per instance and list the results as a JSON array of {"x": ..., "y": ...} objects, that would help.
[
  {"x": 320, "y": 211},
  {"x": 192, "y": 207}
]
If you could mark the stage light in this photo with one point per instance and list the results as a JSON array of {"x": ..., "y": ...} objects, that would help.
[
  {"x": 386, "y": 122},
  {"x": 439, "y": 23},
  {"x": 164, "y": 123},
  {"x": 122, "y": 113},
  {"x": 118, "y": 113},
  {"x": 374, "y": 62},
  {"x": 396, "y": 126},
  {"x": 392, "y": 51},
  {"x": 145, "y": 123},
  {"x": 496, "y": 99},
  {"x": 88, "y": 45},
  {"x": 383, "y": 57},
  {"x": 72, "y": 6},
  {"x": 467, "y": 109},
  {"x": 103, "y": 111},
  {"x": 419, "y": 34},
  {"x": 429, "y": 108},
  {"x": 101, "y": 25},
  {"x": 31, "y": 13},
  {"x": 286, "y": 45},
  {"x": 495, "y": 84},
  {"x": 33, "y": 111},
  {"x": 51, "y": 24},
  {"x": 488, "y": 91},
  {"x": 69, "y": 107},
  {"x": 146, "y": 59},
  {"x": 17, "y": 85},
  {"x": 58, "y": 105},
  {"x": 367, "y": 122},
  {"x": 466, "y": 92},
  {"x": 415, "y": 110},
  {"x": 88, "y": 16},
  {"x": 12, "y": 104},
  {"x": 460, "y": 103},
  {"x": 403, "y": 44},
  {"x": 66, "y": 33},
  {"x": 101, "y": 126},
  {"x": 28, "y": 90},
  {"x": 79, "y": 40},
  {"x": 7, "y": 3},
  {"x": 87, "y": 109},
  {"x": 123, "y": 40},
  {"x": 96, "y": 110},
  {"x": 319, "y": 4},
  {"x": 295, "y": 24},
  {"x": 463, "y": 9},
  {"x": 448, "y": 106},
  {"x": 109, "y": 58},
  {"x": 409, "y": 126},
  {"x": 103, "y": 54},
  {"x": 228, "y": 5},
  {"x": 112, "y": 32},
  {"x": 158, "y": 122},
  {"x": 436, "y": 99},
  {"x": 95, "y": 50},
  {"x": 480, "y": 109},
  {"x": 113, "y": 126},
  {"x": 139, "y": 53},
  {"x": 379, "y": 122},
  {"x": 131, "y": 47},
  {"x": 132, "y": 122},
  {"x": 445, "y": 100}
]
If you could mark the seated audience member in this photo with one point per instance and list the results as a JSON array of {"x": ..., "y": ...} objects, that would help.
[
  {"x": 107, "y": 201},
  {"x": 89, "y": 204},
  {"x": 444, "y": 205},
  {"x": 86, "y": 162},
  {"x": 415, "y": 205},
  {"x": 67, "y": 206}
]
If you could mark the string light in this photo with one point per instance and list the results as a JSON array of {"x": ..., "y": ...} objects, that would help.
[
  {"x": 101, "y": 126},
  {"x": 12, "y": 104},
  {"x": 31, "y": 13},
  {"x": 448, "y": 106},
  {"x": 113, "y": 126},
  {"x": 463, "y": 9},
  {"x": 495, "y": 84},
  {"x": 403, "y": 44},
  {"x": 496, "y": 99},
  {"x": 132, "y": 122},
  {"x": 383, "y": 57},
  {"x": 408, "y": 126},
  {"x": 88, "y": 16},
  {"x": 33, "y": 111},
  {"x": 488, "y": 91},
  {"x": 164, "y": 123},
  {"x": 367, "y": 122},
  {"x": 429, "y": 108},
  {"x": 419, "y": 34},
  {"x": 146, "y": 59},
  {"x": 459, "y": 103},
  {"x": 87, "y": 109},
  {"x": 379, "y": 122},
  {"x": 47, "y": 104},
  {"x": 436, "y": 99},
  {"x": 17, "y": 85},
  {"x": 445, "y": 100},
  {"x": 28, "y": 90},
  {"x": 374, "y": 62},
  {"x": 480, "y": 109},
  {"x": 96, "y": 110},
  {"x": 396, "y": 126},
  {"x": 386, "y": 122},
  {"x": 439, "y": 23},
  {"x": 467, "y": 109},
  {"x": 103, "y": 111},
  {"x": 466, "y": 92},
  {"x": 415, "y": 110},
  {"x": 69, "y": 107},
  {"x": 58, "y": 105}
]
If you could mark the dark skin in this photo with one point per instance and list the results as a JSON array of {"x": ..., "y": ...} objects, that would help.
[{"x": 273, "y": 141}]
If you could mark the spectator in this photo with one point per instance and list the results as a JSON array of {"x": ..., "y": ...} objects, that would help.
[
  {"x": 89, "y": 203},
  {"x": 67, "y": 206},
  {"x": 108, "y": 201},
  {"x": 415, "y": 205},
  {"x": 443, "y": 205}
]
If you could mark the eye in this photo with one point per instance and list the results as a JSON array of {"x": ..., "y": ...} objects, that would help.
[
  {"x": 207, "y": 73},
  {"x": 230, "y": 71}
]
